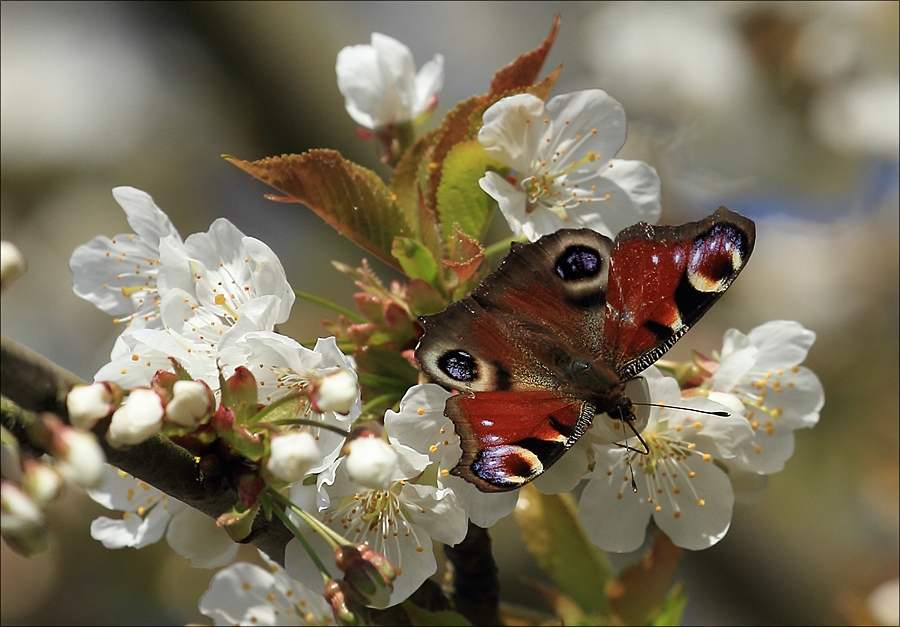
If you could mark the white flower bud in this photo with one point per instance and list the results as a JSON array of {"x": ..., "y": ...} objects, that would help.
[
  {"x": 730, "y": 401},
  {"x": 12, "y": 263},
  {"x": 87, "y": 404},
  {"x": 138, "y": 419},
  {"x": 336, "y": 392},
  {"x": 80, "y": 459},
  {"x": 44, "y": 484},
  {"x": 18, "y": 513},
  {"x": 190, "y": 404},
  {"x": 293, "y": 454},
  {"x": 371, "y": 462},
  {"x": 21, "y": 521}
]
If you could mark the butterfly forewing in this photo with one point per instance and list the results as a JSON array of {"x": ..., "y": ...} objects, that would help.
[{"x": 663, "y": 279}]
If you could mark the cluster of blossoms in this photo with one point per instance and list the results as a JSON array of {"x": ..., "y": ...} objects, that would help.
[
  {"x": 33, "y": 477},
  {"x": 199, "y": 360}
]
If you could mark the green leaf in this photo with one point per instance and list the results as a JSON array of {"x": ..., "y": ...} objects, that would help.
[
  {"x": 639, "y": 591},
  {"x": 459, "y": 198},
  {"x": 424, "y": 300},
  {"x": 408, "y": 185},
  {"x": 384, "y": 372},
  {"x": 415, "y": 260},
  {"x": 672, "y": 609},
  {"x": 352, "y": 199},
  {"x": 551, "y": 532},
  {"x": 422, "y": 617}
]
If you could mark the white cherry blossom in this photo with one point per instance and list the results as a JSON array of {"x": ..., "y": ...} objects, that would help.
[
  {"x": 119, "y": 275},
  {"x": 221, "y": 270},
  {"x": 148, "y": 514},
  {"x": 777, "y": 396},
  {"x": 247, "y": 594},
  {"x": 380, "y": 84},
  {"x": 193, "y": 335},
  {"x": 399, "y": 522},
  {"x": 562, "y": 171},
  {"x": 678, "y": 483},
  {"x": 282, "y": 365}
]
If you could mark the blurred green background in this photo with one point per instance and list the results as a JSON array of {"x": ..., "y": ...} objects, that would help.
[{"x": 785, "y": 112}]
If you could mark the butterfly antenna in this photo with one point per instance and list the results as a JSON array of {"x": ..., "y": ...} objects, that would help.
[
  {"x": 646, "y": 449},
  {"x": 633, "y": 482},
  {"x": 720, "y": 414}
]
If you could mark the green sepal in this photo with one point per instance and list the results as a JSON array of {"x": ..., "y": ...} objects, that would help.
[
  {"x": 238, "y": 521},
  {"x": 239, "y": 395},
  {"x": 283, "y": 410}
]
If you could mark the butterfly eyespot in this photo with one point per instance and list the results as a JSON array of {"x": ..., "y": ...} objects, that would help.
[
  {"x": 579, "y": 262},
  {"x": 458, "y": 365},
  {"x": 715, "y": 258}
]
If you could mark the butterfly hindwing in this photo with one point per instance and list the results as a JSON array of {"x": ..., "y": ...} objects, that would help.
[{"x": 509, "y": 438}]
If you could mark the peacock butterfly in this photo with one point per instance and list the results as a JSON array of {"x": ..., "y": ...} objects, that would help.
[{"x": 549, "y": 339}]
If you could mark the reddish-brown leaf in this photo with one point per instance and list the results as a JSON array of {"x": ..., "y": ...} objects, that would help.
[
  {"x": 525, "y": 69},
  {"x": 351, "y": 198}
]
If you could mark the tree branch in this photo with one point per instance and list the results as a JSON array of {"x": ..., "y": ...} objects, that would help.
[
  {"x": 35, "y": 384},
  {"x": 476, "y": 582}
]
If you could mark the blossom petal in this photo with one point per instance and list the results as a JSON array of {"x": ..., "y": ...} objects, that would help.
[
  {"x": 700, "y": 514},
  {"x": 483, "y": 508},
  {"x": 132, "y": 530},
  {"x": 782, "y": 343},
  {"x": 439, "y": 513},
  {"x": 590, "y": 119},
  {"x": 613, "y": 517},
  {"x": 194, "y": 535},
  {"x": 144, "y": 216},
  {"x": 633, "y": 188},
  {"x": 512, "y": 130},
  {"x": 429, "y": 81}
]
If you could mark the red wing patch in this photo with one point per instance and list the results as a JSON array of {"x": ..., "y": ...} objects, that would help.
[
  {"x": 509, "y": 438},
  {"x": 663, "y": 279}
]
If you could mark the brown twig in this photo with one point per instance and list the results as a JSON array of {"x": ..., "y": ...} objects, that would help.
[{"x": 476, "y": 584}]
